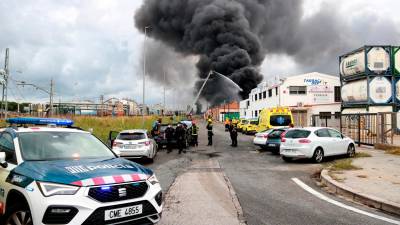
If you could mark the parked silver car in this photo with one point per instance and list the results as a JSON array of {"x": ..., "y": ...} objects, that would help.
[{"x": 134, "y": 144}]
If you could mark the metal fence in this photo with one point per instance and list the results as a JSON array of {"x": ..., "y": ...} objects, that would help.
[{"x": 363, "y": 128}]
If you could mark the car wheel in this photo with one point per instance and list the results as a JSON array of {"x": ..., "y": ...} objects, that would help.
[
  {"x": 18, "y": 214},
  {"x": 318, "y": 156},
  {"x": 286, "y": 159},
  {"x": 351, "y": 151}
]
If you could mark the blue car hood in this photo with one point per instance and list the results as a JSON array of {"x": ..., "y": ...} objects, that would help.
[{"x": 84, "y": 172}]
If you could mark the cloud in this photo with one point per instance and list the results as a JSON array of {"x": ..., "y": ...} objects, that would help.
[
  {"x": 89, "y": 48},
  {"x": 92, "y": 48}
]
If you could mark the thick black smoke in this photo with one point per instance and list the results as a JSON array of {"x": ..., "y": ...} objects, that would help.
[
  {"x": 227, "y": 35},
  {"x": 234, "y": 36}
]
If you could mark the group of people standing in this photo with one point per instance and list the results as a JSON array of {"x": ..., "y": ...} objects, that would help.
[{"x": 177, "y": 136}]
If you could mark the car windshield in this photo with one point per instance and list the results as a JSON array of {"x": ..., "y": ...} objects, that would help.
[
  {"x": 244, "y": 121},
  {"x": 131, "y": 136},
  {"x": 276, "y": 133},
  {"x": 297, "y": 134},
  {"x": 46, "y": 146},
  {"x": 280, "y": 120},
  {"x": 254, "y": 122}
]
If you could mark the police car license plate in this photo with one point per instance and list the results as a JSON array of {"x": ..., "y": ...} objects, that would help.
[{"x": 113, "y": 214}]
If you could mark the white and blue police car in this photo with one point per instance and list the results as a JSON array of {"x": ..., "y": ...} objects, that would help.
[{"x": 53, "y": 173}]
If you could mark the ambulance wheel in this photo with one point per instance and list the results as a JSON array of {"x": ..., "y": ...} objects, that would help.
[{"x": 18, "y": 214}]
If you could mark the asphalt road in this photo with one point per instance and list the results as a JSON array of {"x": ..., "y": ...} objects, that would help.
[{"x": 263, "y": 183}]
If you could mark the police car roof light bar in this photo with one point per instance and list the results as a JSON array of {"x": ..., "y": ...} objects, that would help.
[{"x": 40, "y": 121}]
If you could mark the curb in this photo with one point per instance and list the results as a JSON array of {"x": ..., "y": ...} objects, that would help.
[
  {"x": 357, "y": 196},
  {"x": 235, "y": 200}
]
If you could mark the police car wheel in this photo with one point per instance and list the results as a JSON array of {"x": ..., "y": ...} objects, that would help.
[{"x": 18, "y": 215}]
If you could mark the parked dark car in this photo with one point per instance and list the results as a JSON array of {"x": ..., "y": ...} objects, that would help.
[
  {"x": 274, "y": 140},
  {"x": 162, "y": 140}
]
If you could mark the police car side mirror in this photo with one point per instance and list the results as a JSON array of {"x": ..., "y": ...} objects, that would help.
[{"x": 3, "y": 162}]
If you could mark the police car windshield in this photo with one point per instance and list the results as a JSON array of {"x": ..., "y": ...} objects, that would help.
[{"x": 46, "y": 146}]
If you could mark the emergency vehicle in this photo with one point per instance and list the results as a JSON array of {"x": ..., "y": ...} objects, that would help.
[
  {"x": 53, "y": 173},
  {"x": 274, "y": 118}
]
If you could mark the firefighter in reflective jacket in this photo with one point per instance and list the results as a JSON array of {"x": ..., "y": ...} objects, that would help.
[{"x": 195, "y": 132}]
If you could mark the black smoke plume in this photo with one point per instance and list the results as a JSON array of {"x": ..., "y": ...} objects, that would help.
[
  {"x": 227, "y": 35},
  {"x": 233, "y": 37}
]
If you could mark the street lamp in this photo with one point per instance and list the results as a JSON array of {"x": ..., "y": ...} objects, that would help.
[{"x": 144, "y": 72}]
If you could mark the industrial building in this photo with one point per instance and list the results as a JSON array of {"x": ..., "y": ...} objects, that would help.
[
  {"x": 306, "y": 95},
  {"x": 223, "y": 111}
]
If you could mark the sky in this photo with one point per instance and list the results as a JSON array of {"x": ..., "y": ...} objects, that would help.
[{"x": 92, "y": 48}]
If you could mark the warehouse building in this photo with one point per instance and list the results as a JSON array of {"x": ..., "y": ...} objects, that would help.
[{"x": 306, "y": 95}]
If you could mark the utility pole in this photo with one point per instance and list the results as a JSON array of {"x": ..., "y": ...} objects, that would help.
[
  {"x": 51, "y": 97},
  {"x": 49, "y": 92},
  {"x": 164, "y": 96},
  {"x": 5, "y": 85},
  {"x": 144, "y": 72},
  {"x": 102, "y": 105}
]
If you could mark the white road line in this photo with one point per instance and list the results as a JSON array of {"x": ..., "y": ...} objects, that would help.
[{"x": 323, "y": 197}]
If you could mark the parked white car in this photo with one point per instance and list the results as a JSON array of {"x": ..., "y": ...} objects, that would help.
[
  {"x": 315, "y": 143},
  {"x": 260, "y": 138},
  {"x": 134, "y": 144}
]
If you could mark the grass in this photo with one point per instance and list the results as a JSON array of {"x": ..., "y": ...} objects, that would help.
[
  {"x": 343, "y": 164},
  {"x": 103, "y": 125},
  {"x": 389, "y": 149},
  {"x": 362, "y": 155}
]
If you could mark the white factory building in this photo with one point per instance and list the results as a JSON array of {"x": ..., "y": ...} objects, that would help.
[{"x": 306, "y": 94}]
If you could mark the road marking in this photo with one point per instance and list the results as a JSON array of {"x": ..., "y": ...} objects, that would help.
[{"x": 323, "y": 197}]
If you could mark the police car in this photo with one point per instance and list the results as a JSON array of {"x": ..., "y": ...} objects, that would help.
[{"x": 63, "y": 175}]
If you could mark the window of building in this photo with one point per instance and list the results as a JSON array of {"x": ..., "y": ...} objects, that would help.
[
  {"x": 259, "y": 96},
  {"x": 248, "y": 103},
  {"x": 255, "y": 113},
  {"x": 255, "y": 97},
  {"x": 297, "y": 90},
  {"x": 264, "y": 94},
  {"x": 270, "y": 93},
  {"x": 337, "y": 94},
  {"x": 276, "y": 91}
]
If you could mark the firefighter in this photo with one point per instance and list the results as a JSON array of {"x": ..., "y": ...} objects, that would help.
[
  {"x": 233, "y": 134},
  {"x": 169, "y": 135},
  {"x": 195, "y": 131},
  {"x": 155, "y": 131},
  {"x": 210, "y": 132},
  {"x": 180, "y": 137},
  {"x": 227, "y": 123}
]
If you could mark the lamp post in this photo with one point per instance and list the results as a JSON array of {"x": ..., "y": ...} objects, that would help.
[{"x": 144, "y": 72}]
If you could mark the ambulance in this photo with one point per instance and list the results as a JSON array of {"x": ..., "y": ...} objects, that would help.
[{"x": 274, "y": 118}]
